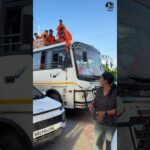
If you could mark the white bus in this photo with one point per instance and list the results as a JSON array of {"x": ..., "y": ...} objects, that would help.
[
  {"x": 15, "y": 78},
  {"x": 70, "y": 78}
]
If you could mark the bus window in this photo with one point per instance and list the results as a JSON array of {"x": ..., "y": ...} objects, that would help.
[
  {"x": 36, "y": 61},
  {"x": 60, "y": 59},
  {"x": 15, "y": 37},
  {"x": 43, "y": 56},
  {"x": 55, "y": 60},
  {"x": 49, "y": 59},
  {"x": 12, "y": 28},
  {"x": 27, "y": 29}
]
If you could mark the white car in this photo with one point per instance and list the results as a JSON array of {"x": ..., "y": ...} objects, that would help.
[{"x": 48, "y": 118}]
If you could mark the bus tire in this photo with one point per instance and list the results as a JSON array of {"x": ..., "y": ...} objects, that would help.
[
  {"x": 10, "y": 140},
  {"x": 55, "y": 96}
]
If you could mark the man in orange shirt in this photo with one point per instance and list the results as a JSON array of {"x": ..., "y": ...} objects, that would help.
[
  {"x": 69, "y": 35},
  {"x": 44, "y": 36},
  {"x": 60, "y": 26},
  {"x": 65, "y": 35},
  {"x": 51, "y": 37},
  {"x": 37, "y": 36},
  {"x": 61, "y": 36},
  {"x": 68, "y": 40}
]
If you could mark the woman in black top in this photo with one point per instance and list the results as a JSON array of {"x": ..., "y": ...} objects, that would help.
[{"x": 103, "y": 109}]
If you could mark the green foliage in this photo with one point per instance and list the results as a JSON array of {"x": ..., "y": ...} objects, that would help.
[{"x": 113, "y": 71}]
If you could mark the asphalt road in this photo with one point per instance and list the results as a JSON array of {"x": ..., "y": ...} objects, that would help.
[{"x": 78, "y": 134}]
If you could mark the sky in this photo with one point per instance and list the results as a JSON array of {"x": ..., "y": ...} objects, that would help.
[{"x": 87, "y": 20}]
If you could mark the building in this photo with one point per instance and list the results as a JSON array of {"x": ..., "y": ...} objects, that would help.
[{"x": 107, "y": 60}]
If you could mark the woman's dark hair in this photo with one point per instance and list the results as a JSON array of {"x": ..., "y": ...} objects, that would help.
[{"x": 110, "y": 78}]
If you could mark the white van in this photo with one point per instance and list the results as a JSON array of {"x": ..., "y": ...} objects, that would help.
[{"x": 48, "y": 118}]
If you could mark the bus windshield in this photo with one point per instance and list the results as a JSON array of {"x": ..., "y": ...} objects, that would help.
[
  {"x": 133, "y": 48},
  {"x": 133, "y": 42},
  {"x": 90, "y": 68}
]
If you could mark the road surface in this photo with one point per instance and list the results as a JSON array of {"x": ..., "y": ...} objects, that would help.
[{"x": 78, "y": 134}]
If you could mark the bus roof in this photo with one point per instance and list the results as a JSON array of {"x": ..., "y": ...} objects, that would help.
[{"x": 56, "y": 45}]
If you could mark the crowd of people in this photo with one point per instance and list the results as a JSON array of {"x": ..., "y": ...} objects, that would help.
[{"x": 49, "y": 39}]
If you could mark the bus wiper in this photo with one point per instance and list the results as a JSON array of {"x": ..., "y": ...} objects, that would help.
[
  {"x": 95, "y": 76},
  {"x": 139, "y": 79}
]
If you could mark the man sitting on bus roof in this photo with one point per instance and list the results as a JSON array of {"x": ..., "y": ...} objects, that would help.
[
  {"x": 45, "y": 38},
  {"x": 37, "y": 36},
  {"x": 45, "y": 33},
  {"x": 51, "y": 37},
  {"x": 60, "y": 26},
  {"x": 61, "y": 35},
  {"x": 64, "y": 35}
]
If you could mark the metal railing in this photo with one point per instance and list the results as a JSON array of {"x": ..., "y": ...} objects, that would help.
[
  {"x": 10, "y": 36},
  {"x": 52, "y": 65}
]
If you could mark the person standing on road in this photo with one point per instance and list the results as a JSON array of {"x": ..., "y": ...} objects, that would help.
[{"x": 103, "y": 109}]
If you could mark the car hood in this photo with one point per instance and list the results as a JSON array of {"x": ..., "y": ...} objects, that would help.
[{"x": 45, "y": 104}]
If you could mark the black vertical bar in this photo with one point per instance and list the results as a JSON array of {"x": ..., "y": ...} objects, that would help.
[
  {"x": 132, "y": 138},
  {"x": 85, "y": 99}
]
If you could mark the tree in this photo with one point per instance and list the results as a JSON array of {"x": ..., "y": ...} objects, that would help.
[{"x": 113, "y": 71}]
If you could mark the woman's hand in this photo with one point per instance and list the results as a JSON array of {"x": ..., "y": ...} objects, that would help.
[
  {"x": 100, "y": 115},
  {"x": 111, "y": 112},
  {"x": 91, "y": 108}
]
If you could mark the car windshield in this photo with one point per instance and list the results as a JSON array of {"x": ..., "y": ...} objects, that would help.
[
  {"x": 90, "y": 68},
  {"x": 37, "y": 94}
]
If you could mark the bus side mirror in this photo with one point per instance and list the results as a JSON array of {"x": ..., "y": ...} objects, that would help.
[{"x": 84, "y": 56}]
